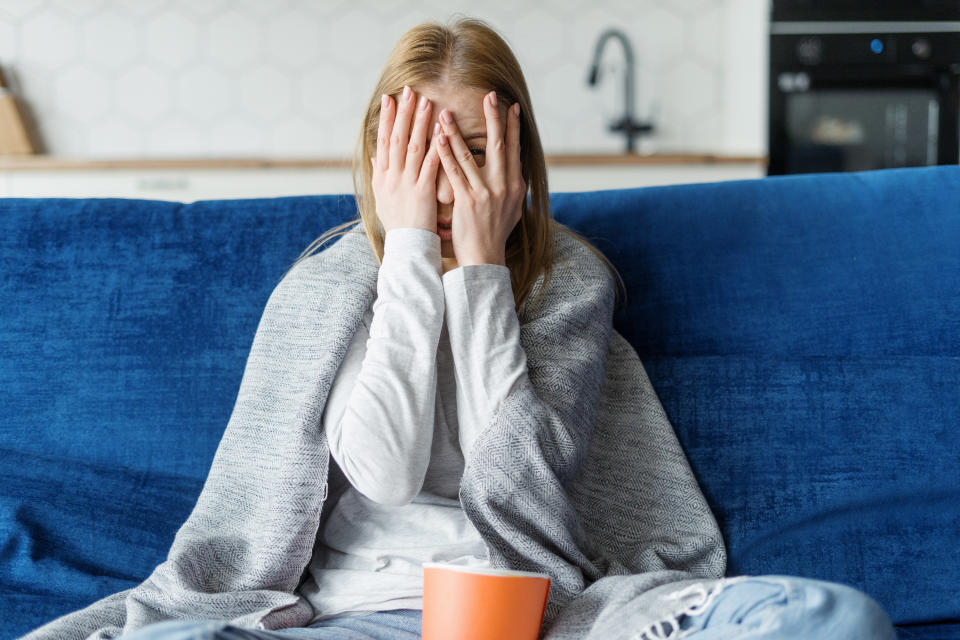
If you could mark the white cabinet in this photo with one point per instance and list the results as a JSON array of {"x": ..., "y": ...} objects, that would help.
[
  {"x": 184, "y": 185},
  {"x": 594, "y": 177},
  {"x": 188, "y": 184}
]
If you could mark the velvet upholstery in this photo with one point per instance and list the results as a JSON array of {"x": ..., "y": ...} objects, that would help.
[{"x": 802, "y": 332}]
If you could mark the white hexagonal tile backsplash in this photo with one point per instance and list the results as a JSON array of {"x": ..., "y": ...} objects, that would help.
[
  {"x": 108, "y": 78},
  {"x": 172, "y": 40},
  {"x": 50, "y": 39}
]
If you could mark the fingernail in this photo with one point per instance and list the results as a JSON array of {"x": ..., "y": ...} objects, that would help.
[
  {"x": 406, "y": 92},
  {"x": 516, "y": 109},
  {"x": 423, "y": 103},
  {"x": 384, "y": 101},
  {"x": 493, "y": 98},
  {"x": 436, "y": 128},
  {"x": 446, "y": 116}
]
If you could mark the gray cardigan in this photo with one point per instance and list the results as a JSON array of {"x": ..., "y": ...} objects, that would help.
[{"x": 578, "y": 475}]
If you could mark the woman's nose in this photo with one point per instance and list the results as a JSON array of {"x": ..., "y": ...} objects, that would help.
[{"x": 444, "y": 188}]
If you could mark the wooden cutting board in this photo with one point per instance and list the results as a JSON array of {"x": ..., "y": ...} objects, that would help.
[{"x": 14, "y": 136}]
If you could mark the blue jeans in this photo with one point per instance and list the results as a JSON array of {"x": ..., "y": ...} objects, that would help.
[
  {"x": 777, "y": 607},
  {"x": 758, "y": 607},
  {"x": 401, "y": 624}
]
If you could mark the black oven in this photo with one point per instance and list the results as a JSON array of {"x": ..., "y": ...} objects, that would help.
[{"x": 861, "y": 85}]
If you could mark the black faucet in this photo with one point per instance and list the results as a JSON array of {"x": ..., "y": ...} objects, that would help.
[{"x": 627, "y": 124}]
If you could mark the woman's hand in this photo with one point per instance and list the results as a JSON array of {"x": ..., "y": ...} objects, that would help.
[
  {"x": 488, "y": 200},
  {"x": 404, "y": 181}
]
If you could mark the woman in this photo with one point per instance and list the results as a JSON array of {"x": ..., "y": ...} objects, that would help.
[{"x": 447, "y": 152}]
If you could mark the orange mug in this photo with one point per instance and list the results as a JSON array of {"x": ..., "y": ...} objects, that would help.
[{"x": 482, "y": 603}]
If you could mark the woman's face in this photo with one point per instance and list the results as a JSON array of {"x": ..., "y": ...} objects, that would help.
[{"x": 466, "y": 105}]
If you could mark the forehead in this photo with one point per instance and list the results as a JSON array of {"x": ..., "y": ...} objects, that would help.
[{"x": 466, "y": 105}]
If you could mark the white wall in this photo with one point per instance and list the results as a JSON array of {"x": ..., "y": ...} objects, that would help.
[{"x": 282, "y": 78}]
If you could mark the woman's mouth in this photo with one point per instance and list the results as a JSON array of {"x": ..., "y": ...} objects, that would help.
[{"x": 445, "y": 231}]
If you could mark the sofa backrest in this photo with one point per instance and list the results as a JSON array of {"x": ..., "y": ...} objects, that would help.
[
  {"x": 803, "y": 335},
  {"x": 801, "y": 332}
]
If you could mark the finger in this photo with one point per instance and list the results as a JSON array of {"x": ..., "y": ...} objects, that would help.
[
  {"x": 418, "y": 142},
  {"x": 431, "y": 162},
  {"x": 458, "y": 180},
  {"x": 513, "y": 141},
  {"x": 461, "y": 152},
  {"x": 496, "y": 155},
  {"x": 401, "y": 129},
  {"x": 383, "y": 133}
]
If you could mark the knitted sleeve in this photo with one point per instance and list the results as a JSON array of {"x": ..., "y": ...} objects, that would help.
[
  {"x": 484, "y": 331},
  {"x": 379, "y": 417}
]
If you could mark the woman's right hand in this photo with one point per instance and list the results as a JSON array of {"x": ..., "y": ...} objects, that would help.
[{"x": 404, "y": 177}]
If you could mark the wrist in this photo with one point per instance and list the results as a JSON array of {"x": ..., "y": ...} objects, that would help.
[
  {"x": 406, "y": 243},
  {"x": 482, "y": 259},
  {"x": 412, "y": 225}
]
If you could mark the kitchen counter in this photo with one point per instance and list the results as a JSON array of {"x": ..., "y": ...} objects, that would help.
[
  {"x": 191, "y": 179},
  {"x": 43, "y": 162}
]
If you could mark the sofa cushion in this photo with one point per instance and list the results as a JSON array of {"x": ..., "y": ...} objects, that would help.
[
  {"x": 803, "y": 334},
  {"x": 126, "y": 324},
  {"x": 76, "y": 531}
]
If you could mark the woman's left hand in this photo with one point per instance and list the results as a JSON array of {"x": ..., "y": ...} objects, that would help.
[{"x": 488, "y": 200}]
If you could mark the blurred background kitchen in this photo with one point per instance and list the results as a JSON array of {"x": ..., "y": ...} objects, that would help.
[{"x": 199, "y": 99}]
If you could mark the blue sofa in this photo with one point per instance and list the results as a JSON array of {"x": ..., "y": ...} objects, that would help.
[{"x": 802, "y": 332}]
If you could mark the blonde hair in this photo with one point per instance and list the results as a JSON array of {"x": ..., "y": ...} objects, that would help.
[{"x": 467, "y": 53}]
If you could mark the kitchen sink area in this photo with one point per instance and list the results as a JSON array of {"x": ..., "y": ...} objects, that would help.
[{"x": 245, "y": 103}]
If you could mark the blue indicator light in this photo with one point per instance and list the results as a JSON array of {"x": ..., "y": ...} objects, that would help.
[{"x": 876, "y": 45}]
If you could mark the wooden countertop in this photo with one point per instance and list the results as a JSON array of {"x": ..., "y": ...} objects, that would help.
[{"x": 47, "y": 162}]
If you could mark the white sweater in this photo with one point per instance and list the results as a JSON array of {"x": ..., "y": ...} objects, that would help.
[{"x": 428, "y": 366}]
